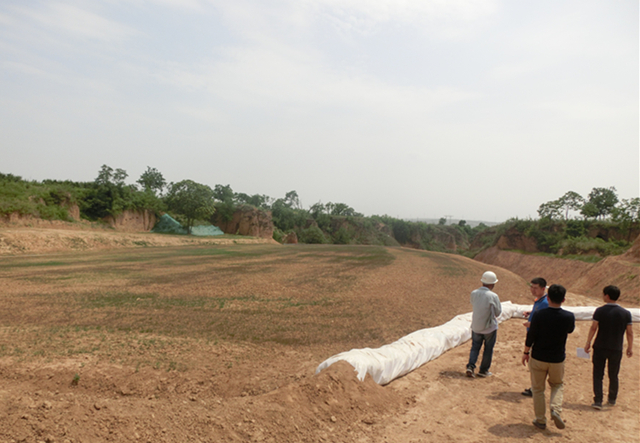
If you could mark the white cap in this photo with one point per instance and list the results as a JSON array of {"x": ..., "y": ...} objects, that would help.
[{"x": 489, "y": 278}]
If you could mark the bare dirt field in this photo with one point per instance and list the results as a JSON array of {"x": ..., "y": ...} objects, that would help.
[{"x": 162, "y": 341}]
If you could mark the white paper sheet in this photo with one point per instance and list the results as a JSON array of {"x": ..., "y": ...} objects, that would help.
[{"x": 581, "y": 354}]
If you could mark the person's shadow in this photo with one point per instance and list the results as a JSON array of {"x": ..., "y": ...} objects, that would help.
[
  {"x": 517, "y": 430},
  {"x": 577, "y": 407},
  {"x": 510, "y": 397},
  {"x": 521, "y": 430}
]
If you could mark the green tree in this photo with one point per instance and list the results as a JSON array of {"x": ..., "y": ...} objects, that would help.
[
  {"x": 108, "y": 194},
  {"x": 571, "y": 201},
  {"x": 551, "y": 210},
  {"x": 152, "y": 180},
  {"x": 223, "y": 193},
  {"x": 626, "y": 214},
  {"x": 316, "y": 210},
  {"x": 627, "y": 211},
  {"x": 589, "y": 210},
  {"x": 442, "y": 221},
  {"x": 287, "y": 218},
  {"x": 257, "y": 200},
  {"x": 601, "y": 202},
  {"x": 193, "y": 201},
  {"x": 105, "y": 175},
  {"x": 401, "y": 230},
  {"x": 292, "y": 200},
  {"x": 119, "y": 176},
  {"x": 319, "y": 214},
  {"x": 341, "y": 209}
]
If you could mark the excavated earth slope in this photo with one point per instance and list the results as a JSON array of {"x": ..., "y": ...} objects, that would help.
[
  {"x": 584, "y": 278},
  {"x": 107, "y": 337}
]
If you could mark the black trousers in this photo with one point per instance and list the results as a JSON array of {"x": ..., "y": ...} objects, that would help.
[{"x": 600, "y": 359}]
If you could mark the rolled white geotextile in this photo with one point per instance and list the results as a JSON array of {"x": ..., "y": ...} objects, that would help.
[{"x": 396, "y": 359}]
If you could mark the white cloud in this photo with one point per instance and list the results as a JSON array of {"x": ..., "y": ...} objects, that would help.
[
  {"x": 514, "y": 70},
  {"x": 23, "y": 68},
  {"x": 206, "y": 114},
  {"x": 587, "y": 109},
  {"x": 75, "y": 21},
  {"x": 445, "y": 17},
  {"x": 257, "y": 77},
  {"x": 187, "y": 5}
]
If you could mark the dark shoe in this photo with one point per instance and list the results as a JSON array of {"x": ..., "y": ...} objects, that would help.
[
  {"x": 470, "y": 373},
  {"x": 527, "y": 392},
  {"x": 539, "y": 425},
  {"x": 557, "y": 420},
  {"x": 485, "y": 374},
  {"x": 611, "y": 403},
  {"x": 597, "y": 406}
]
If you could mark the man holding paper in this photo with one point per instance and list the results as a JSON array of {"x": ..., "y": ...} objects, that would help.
[{"x": 610, "y": 321}]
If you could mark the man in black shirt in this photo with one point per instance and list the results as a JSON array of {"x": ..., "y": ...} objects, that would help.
[
  {"x": 611, "y": 321},
  {"x": 547, "y": 336}
]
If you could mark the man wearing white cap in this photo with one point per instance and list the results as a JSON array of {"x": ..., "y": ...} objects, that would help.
[{"x": 484, "y": 324}]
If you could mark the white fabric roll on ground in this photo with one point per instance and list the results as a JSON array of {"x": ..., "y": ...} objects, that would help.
[{"x": 394, "y": 360}]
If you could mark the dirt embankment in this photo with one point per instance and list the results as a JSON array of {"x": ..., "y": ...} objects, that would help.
[
  {"x": 113, "y": 346},
  {"x": 44, "y": 241},
  {"x": 579, "y": 277},
  {"x": 246, "y": 220},
  {"x": 127, "y": 221},
  {"x": 132, "y": 380}
]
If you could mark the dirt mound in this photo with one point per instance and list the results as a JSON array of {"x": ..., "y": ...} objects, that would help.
[
  {"x": 113, "y": 403},
  {"x": 316, "y": 405}
]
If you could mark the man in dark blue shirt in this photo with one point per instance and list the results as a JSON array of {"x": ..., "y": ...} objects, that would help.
[
  {"x": 611, "y": 321},
  {"x": 547, "y": 336},
  {"x": 538, "y": 288}
]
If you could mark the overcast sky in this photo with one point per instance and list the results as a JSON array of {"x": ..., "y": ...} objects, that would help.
[{"x": 475, "y": 109}]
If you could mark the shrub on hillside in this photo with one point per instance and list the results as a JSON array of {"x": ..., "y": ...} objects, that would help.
[
  {"x": 278, "y": 235},
  {"x": 48, "y": 200},
  {"x": 312, "y": 235},
  {"x": 343, "y": 236},
  {"x": 584, "y": 245},
  {"x": 575, "y": 228}
]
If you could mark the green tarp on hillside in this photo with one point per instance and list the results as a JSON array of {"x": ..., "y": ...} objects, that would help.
[{"x": 169, "y": 225}]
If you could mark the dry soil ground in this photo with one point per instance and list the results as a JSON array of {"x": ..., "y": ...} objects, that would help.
[{"x": 216, "y": 343}]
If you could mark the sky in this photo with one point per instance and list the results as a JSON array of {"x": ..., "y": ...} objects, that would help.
[{"x": 471, "y": 109}]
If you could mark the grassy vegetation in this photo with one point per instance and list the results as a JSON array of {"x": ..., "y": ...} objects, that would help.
[
  {"x": 49, "y": 201},
  {"x": 585, "y": 258},
  {"x": 126, "y": 307},
  {"x": 586, "y": 240},
  {"x": 446, "y": 264},
  {"x": 331, "y": 223}
]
